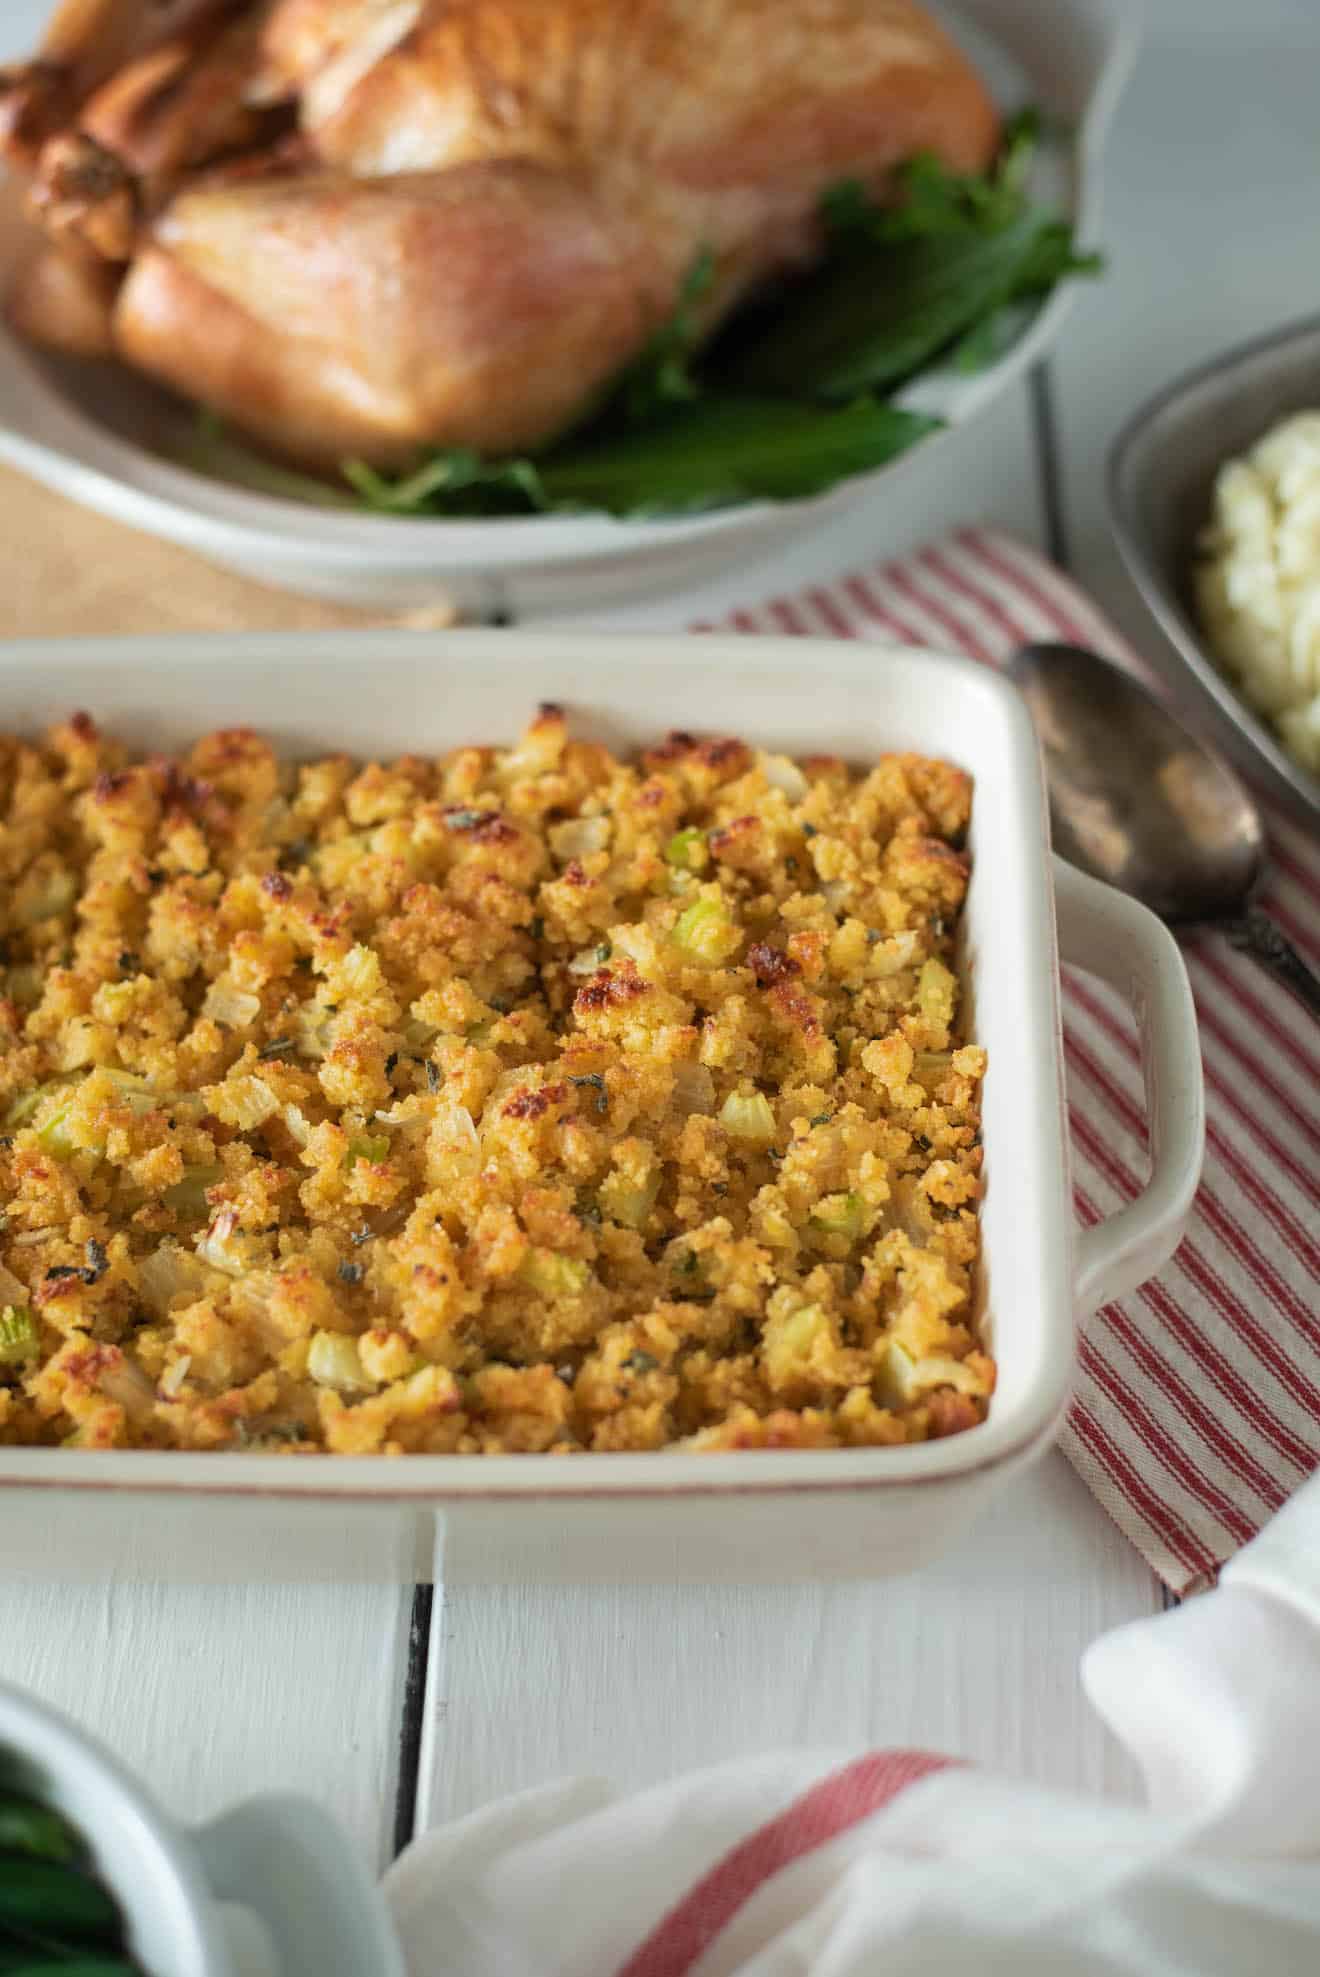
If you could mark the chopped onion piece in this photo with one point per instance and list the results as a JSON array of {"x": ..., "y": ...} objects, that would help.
[
  {"x": 222, "y": 1248},
  {"x": 228, "y": 1005},
  {"x": 782, "y": 774},
  {"x": 167, "y": 1274},
  {"x": 173, "y": 1377},
  {"x": 453, "y": 1125},
  {"x": 580, "y": 837},
  {"x": 890, "y": 957},
  {"x": 129, "y": 1386},
  {"x": 904, "y": 1379},
  {"x": 299, "y": 1125},
  {"x": 748, "y": 1117},
  {"x": 402, "y": 1119},
  {"x": 359, "y": 971},
  {"x": 245, "y": 1102},
  {"x": 334, "y": 1361}
]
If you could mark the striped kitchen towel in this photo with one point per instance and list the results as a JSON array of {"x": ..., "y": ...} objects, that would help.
[{"x": 1197, "y": 1404}]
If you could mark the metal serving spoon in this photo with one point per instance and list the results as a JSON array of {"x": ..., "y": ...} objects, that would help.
[{"x": 1139, "y": 802}]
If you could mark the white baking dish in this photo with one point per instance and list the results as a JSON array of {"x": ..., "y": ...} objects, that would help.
[
  {"x": 668, "y": 1515},
  {"x": 88, "y": 433}
]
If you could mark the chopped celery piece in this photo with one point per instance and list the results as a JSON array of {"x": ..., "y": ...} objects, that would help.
[
  {"x": 687, "y": 850},
  {"x": 937, "y": 992},
  {"x": 625, "y": 1203},
  {"x": 554, "y": 1275},
  {"x": 748, "y": 1116},
  {"x": 18, "y": 1335},
  {"x": 114, "y": 1000},
  {"x": 839, "y": 1215},
  {"x": 790, "y": 1341},
  {"x": 372, "y": 1147},
  {"x": 706, "y": 933},
  {"x": 27, "y": 1102},
  {"x": 334, "y": 1361},
  {"x": 55, "y": 897},
  {"x": 54, "y": 1135},
  {"x": 188, "y": 1196},
  {"x": 135, "y": 1089}
]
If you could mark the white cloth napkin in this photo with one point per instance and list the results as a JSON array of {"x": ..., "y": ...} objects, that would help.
[{"x": 900, "y": 1861}]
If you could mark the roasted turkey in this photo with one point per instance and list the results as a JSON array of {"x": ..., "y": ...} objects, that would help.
[{"x": 365, "y": 227}]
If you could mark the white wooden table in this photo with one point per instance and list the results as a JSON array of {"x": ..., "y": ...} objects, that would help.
[{"x": 398, "y": 1709}]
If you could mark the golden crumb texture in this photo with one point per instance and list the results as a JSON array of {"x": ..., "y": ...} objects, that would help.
[{"x": 528, "y": 1099}]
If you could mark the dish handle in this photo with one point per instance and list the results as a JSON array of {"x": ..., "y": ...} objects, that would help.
[
  {"x": 1110, "y": 935},
  {"x": 286, "y": 1861}
]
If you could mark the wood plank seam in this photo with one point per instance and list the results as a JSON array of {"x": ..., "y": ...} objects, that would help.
[{"x": 412, "y": 1719}]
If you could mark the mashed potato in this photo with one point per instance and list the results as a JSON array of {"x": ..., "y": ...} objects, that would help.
[
  {"x": 1258, "y": 587},
  {"x": 522, "y": 1100}
]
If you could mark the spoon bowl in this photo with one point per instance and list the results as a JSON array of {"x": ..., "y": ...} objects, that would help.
[{"x": 1140, "y": 802}]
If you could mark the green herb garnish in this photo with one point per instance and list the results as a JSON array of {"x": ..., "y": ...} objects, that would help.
[{"x": 55, "y": 1916}]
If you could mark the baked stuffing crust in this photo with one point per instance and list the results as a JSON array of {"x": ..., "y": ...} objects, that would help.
[{"x": 526, "y": 1099}]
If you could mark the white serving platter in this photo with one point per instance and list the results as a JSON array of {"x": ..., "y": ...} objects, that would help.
[{"x": 81, "y": 430}]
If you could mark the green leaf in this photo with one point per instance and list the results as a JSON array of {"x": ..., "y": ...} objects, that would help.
[
  {"x": 662, "y": 375},
  {"x": 33, "y": 1829},
  {"x": 457, "y": 482},
  {"x": 932, "y": 200},
  {"x": 1018, "y": 148},
  {"x": 703, "y": 455},
  {"x": 725, "y": 449},
  {"x": 879, "y": 316},
  {"x": 56, "y": 1901},
  {"x": 1051, "y": 258}
]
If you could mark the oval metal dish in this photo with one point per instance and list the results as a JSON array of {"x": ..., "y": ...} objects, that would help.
[{"x": 1161, "y": 477}]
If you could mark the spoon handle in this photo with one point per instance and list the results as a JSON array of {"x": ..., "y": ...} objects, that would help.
[{"x": 1256, "y": 934}]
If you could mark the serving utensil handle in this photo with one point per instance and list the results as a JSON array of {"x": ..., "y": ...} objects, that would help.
[
  {"x": 1256, "y": 934},
  {"x": 1110, "y": 935},
  {"x": 286, "y": 1861}
]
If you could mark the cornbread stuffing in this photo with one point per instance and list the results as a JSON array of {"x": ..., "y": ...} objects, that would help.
[{"x": 522, "y": 1100}]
